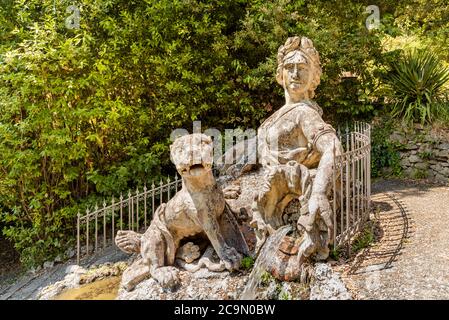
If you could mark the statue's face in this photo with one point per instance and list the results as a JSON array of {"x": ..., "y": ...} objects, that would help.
[
  {"x": 297, "y": 74},
  {"x": 192, "y": 154}
]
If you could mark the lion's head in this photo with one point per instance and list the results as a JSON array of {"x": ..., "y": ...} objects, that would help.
[{"x": 192, "y": 155}]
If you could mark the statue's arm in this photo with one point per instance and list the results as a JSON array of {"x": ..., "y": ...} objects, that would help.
[{"x": 323, "y": 139}]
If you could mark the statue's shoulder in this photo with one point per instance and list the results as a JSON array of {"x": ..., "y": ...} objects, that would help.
[
  {"x": 308, "y": 106},
  {"x": 293, "y": 111}
]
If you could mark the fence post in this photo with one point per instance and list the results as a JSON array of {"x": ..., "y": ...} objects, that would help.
[
  {"x": 87, "y": 231},
  {"x": 342, "y": 203},
  {"x": 96, "y": 227},
  {"x": 78, "y": 238},
  {"x": 145, "y": 204},
  {"x": 153, "y": 190},
  {"x": 130, "y": 226},
  {"x": 348, "y": 185},
  {"x": 353, "y": 161},
  {"x": 121, "y": 211},
  {"x": 113, "y": 219},
  {"x": 369, "y": 172},
  {"x": 137, "y": 209},
  {"x": 160, "y": 192},
  {"x": 333, "y": 199},
  {"x": 104, "y": 224}
]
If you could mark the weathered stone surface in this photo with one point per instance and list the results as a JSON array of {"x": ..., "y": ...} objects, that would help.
[
  {"x": 422, "y": 165},
  {"x": 102, "y": 271},
  {"x": 192, "y": 287},
  {"x": 271, "y": 292},
  {"x": 411, "y": 146},
  {"x": 135, "y": 274},
  {"x": 445, "y": 171},
  {"x": 328, "y": 285},
  {"x": 441, "y": 178},
  {"x": 443, "y": 153},
  {"x": 405, "y": 162},
  {"x": 444, "y": 146},
  {"x": 71, "y": 280},
  {"x": 436, "y": 167},
  {"x": 74, "y": 268},
  {"x": 204, "y": 273},
  {"x": 414, "y": 159},
  {"x": 398, "y": 137}
]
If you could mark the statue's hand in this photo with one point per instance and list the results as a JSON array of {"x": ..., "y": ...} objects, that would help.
[{"x": 318, "y": 203}]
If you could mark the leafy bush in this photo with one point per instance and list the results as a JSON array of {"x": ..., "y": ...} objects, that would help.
[
  {"x": 417, "y": 81},
  {"x": 87, "y": 113},
  {"x": 384, "y": 152}
]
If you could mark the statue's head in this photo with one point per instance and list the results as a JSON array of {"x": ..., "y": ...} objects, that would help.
[
  {"x": 192, "y": 155},
  {"x": 299, "y": 69}
]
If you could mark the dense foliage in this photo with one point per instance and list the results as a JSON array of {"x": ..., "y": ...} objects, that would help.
[
  {"x": 87, "y": 112},
  {"x": 417, "y": 81},
  {"x": 385, "y": 158}
]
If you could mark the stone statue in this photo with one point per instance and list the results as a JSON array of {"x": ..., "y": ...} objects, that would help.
[
  {"x": 198, "y": 209},
  {"x": 296, "y": 150},
  {"x": 289, "y": 184}
]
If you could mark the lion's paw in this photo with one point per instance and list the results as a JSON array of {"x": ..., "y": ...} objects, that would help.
[
  {"x": 128, "y": 241},
  {"x": 231, "y": 258},
  {"x": 167, "y": 277},
  {"x": 188, "y": 252}
]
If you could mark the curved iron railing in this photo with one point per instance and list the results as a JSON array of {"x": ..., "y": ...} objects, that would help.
[{"x": 351, "y": 183}]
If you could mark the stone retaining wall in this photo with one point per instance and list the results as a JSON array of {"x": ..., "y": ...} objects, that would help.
[{"x": 424, "y": 152}]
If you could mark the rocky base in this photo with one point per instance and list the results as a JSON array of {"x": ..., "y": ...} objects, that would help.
[
  {"x": 201, "y": 285},
  {"x": 207, "y": 285},
  {"x": 327, "y": 285}
]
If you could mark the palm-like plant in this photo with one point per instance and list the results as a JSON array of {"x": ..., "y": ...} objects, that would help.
[{"x": 417, "y": 81}]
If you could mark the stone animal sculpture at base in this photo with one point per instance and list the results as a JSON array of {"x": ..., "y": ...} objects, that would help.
[{"x": 198, "y": 209}]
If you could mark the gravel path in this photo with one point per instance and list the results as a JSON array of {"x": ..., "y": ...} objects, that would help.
[{"x": 409, "y": 259}]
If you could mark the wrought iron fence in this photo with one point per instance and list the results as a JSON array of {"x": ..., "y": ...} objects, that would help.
[
  {"x": 351, "y": 198},
  {"x": 131, "y": 213},
  {"x": 351, "y": 180}
]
